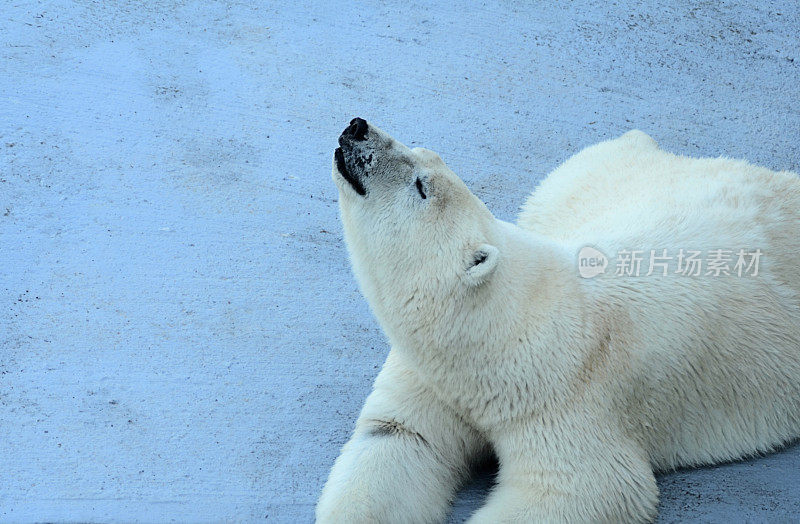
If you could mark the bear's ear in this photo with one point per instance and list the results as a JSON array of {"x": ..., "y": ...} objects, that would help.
[{"x": 482, "y": 264}]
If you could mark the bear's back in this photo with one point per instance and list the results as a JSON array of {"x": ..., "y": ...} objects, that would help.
[{"x": 627, "y": 193}]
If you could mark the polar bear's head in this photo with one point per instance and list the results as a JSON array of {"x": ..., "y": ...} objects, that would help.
[{"x": 418, "y": 238}]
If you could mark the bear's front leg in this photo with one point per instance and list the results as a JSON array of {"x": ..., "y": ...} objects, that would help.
[
  {"x": 571, "y": 469},
  {"x": 406, "y": 459}
]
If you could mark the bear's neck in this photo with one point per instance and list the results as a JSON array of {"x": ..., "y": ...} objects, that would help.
[{"x": 513, "y": 332}]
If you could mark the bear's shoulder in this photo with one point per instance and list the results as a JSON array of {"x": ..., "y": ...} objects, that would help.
[{"x": 585, "y": 184}]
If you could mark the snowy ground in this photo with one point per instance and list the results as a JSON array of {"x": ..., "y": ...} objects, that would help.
[{"x": 180, "y": 334}]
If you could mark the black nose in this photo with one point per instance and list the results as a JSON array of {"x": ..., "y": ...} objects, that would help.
[{"x": 357, "y": 130}]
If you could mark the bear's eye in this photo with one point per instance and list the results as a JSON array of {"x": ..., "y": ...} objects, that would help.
[{"x": 421, "y": 190}]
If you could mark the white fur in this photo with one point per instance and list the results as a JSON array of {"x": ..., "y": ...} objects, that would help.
[{"x": 582, "y": 387}]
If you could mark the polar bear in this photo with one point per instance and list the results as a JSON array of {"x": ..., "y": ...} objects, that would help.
[{"x": 582, "y": 387}]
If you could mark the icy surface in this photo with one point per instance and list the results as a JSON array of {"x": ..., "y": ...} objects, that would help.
[{"x": 180, "y": 334}]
